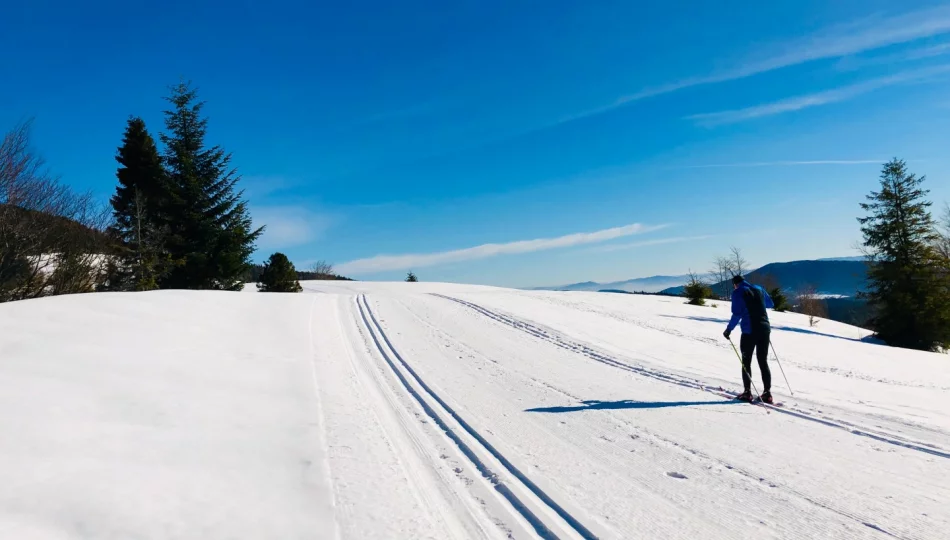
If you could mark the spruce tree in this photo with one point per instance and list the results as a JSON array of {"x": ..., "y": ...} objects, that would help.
[
  {"x": 209, "y": 224},
  {"x": 779, "y": 300},
  {"x": 908, "y": 290},
  {"x": 137, "y": 211},
  {"x": 411, "y": 278},
  {"x": 279, "y": 275}
]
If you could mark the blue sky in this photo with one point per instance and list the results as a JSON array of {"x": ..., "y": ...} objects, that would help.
[{"x": 509, "y": 143}]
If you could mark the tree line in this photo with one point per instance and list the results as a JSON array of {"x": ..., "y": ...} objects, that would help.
[
  {"x": 907, "y": 252},
  {"x": 176, "y": 220}
]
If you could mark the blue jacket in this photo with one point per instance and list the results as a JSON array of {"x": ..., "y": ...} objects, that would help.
[{"x": 748, "y": 307}]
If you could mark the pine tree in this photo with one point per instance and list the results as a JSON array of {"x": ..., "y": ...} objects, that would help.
[
  {"x": 410, "y": 277},
  {"x": 279, "y": 275},
  {"x": 779, "y": 300},
  {"x": 209, "y": 224},
  {"x": 907, "y": 288},
  {"x": 137, "y": 210}
]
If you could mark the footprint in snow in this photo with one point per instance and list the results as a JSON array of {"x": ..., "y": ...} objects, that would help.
[{"x": 676, "y": 475}]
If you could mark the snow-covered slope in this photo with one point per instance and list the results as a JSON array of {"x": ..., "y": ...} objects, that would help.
[{"x": 367, "y": 410}]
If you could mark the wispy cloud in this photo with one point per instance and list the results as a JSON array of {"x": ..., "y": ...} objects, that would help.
[
  {"x": 382, "y": 263},
  {"x": 262, "y": 186},
  {"x": 787, "y": 163},
  {"x": 851, "y": 63},
  {"x": 813, "y": 100},
  {"x": 863, "y": 35},
  {"x": 837, "y": 41},
  {"x": 644, "y": 243},
  {"x": 288, "y": 226}
]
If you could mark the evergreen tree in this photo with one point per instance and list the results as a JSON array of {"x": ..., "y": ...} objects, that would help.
[
  {"x": 209, "y": 223},
  {"x": 137, "y": 212},
  {"x": 279, "y": 275},
  {"x": 907, "y": 288},
  {"x": 410, "y": 277},
  {"x": 779, "y": 299}
]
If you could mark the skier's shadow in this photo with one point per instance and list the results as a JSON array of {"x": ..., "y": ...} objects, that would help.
[
  {"x": 593, "y": 404},
  {"x": 779, "y": 327}
]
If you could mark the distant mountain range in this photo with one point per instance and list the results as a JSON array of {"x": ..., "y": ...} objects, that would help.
[
  {"x": 857, "y": 258},
  {"x": 841, "y": 276},
  {"x": 650, "y": 284}
]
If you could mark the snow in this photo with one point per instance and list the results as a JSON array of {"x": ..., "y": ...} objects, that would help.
[{"x": 397, "y": 410}]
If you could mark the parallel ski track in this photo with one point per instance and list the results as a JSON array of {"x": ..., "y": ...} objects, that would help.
[
  {"x": 658, "y": 440},
  {"x": 565, "y": 343},
  {"x": 377, "y": 333}
]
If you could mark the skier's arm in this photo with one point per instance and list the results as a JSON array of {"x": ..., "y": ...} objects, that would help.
[{"x": 736, "y": 312}]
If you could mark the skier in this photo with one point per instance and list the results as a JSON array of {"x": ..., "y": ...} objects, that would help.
[{"x": 749, "y": 303}]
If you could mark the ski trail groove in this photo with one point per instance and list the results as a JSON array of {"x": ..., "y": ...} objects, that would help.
[
  {"x": 659, "y": 441},
  {"x": 371, "y": 323},
  {"x": 754, "y": 478},
  {"x": 321, "y": 421},
  {"x": 587, "y": 351}
]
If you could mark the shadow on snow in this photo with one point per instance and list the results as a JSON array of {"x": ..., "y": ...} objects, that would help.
[
  {"x": 868, "y": 339},
  {"x": 593, "y": 404}
]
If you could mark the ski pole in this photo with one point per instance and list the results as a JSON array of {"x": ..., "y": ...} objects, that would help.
[
  {"x": 744, "y": 370},
  {"x": 781, "y": 368}
]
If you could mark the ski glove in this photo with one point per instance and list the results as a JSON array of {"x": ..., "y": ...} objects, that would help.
[{"x": 726, "y": 334}]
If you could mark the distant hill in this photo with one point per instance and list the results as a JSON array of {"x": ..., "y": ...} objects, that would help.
[
  {"x": 855, "y": 258},
  {"x": 646, "y": 284},
  {"x": 54, "y": 231},
  {"x": 843, "y": 277}
]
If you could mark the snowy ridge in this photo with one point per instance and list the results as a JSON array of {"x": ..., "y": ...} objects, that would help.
[{"x": 553, "y": 337}]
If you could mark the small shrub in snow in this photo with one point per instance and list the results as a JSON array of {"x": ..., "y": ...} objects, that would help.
[
  {"x": 697, "y": 291},
  {"x": 812, "y": 304},
  {"x": 279, "y": 275}
]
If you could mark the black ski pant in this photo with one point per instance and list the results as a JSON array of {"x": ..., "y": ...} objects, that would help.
[{"x": 757, "y": 341}]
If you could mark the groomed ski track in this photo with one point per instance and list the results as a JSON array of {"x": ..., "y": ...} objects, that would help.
[{"x": 444, "y": 416}]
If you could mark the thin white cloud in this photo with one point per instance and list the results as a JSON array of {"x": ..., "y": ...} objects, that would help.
[
  {"x": 859, "y": 36},
  {"x": 382, "y": 263},
  {"x": 851, "y": 63},
  {"x": 813, "y": 100},
  {"x": 288, "y": 226},
  {"x": 835, "y": 42},
  {"x": 787, "y": 163},
  {"x": 262, "y": 186},
  {"x": 658, "y": 241}
]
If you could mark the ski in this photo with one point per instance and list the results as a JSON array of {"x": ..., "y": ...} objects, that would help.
[
  {"x": 758, "y": 399},
  {"x": 755, "y": 401}
]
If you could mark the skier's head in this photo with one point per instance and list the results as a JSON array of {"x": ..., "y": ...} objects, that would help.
[{"x": 736, "y": 280}]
